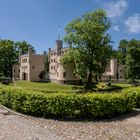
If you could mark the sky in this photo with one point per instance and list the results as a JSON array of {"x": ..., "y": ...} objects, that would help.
[{"x": 37, "y": 21}]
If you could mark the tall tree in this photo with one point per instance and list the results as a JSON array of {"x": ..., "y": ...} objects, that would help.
[
  {"x": 46, "y": 63},
  {"x": 9, "y": 53},
  {"x": 7, "y": 57},
  {"x": 133, "y": 59},
  {"x": 121, "y": 52},
  {"x": 89, "y": 43},
  {"x": 23, "y": 47}
]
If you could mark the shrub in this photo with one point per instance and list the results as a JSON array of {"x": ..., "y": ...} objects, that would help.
[
  {"x": 66, "y": 105},
  {"x": 136, "y": 93}
]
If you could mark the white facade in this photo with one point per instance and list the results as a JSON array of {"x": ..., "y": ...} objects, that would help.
[
  {"x": 30, "y": 66},
  {"x": 60, "y": 74},
  {"x": 57, "y": 72}
]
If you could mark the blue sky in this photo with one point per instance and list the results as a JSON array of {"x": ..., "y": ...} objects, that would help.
[{"x": 37, "y": 21}]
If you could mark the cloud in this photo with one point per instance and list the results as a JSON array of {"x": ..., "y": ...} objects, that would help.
[
  {"x": 116, "y": 28},
  {"x": 115, "y": 9},
  {"x": 133, "y": 23}
]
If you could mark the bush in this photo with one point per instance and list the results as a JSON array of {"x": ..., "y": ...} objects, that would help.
[
  {"x": 136, "y": 93},
  {"x": 66, "y": 105}
]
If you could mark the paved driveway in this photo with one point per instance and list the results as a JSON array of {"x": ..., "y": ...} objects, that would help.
[
  {"x": 14, "y": 127},
  {"x": 17, "y": 127}
]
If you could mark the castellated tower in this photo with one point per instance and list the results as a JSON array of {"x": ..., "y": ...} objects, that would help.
[
  {"x": 30, "y": 66},
  {"x": 59, "y": 44}
]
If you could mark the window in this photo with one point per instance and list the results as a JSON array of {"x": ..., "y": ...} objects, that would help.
[
  {"x": 33, "y": 67},
  {"x": 51, "y": 67},
  {"x": 64, "y": 74},
  {"x": 51, "y": 60},
  {"x": 54, "y": 60},
  {"x": 19, "y": 71},
  {"x": 120, "y": 77},
  {"x": 24, "y": 60},
  {"x": 14, "y": 71},
  {"x": 120, "y": 70},
  {"x": 24, "y": 67}
]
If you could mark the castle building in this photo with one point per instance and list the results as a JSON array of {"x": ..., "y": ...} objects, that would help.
[
  {"x": 31, "y": 65},
  {"x": 59, "y": 74}
]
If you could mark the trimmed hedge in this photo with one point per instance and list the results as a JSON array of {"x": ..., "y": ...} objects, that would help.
[
  {"x": 136, "y": 92},
  {"x": 66, "y": 105}
]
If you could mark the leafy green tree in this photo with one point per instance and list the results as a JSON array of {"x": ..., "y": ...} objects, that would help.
[
  {"x": 9, "y": 53},
  {"x": 133, "y": 59},
  {"x": 7, "y": 57},
  {"x": 90, "y": 48},
  {"x": 23, "y": 47},
  {"x": 121, "y": 52},
  {"x": 46, "y": 63}
]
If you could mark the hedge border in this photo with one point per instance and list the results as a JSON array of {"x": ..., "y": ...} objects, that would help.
[{"x": 66, "y": 105}]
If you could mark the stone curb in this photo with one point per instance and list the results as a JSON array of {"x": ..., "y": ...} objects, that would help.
[{"x": 13, "y": 112}]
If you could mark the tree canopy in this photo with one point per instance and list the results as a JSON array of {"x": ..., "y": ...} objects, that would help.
[
  {"x": 121, "y": 52},
  {"x": 128, "y": 54},
  {"x": 89, "y": 43},
  {"x": 9, "y": 53},
  {"x": 133, "y": 59}
]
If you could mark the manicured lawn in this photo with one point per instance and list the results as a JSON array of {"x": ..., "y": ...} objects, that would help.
[
  {"x": 54, "y": 88},
  {"x": 124, "y": 85},
  {"x": 48, "y": 87}
]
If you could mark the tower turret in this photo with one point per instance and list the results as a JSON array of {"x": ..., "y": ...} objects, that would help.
[{"x": 59, "y": 44}]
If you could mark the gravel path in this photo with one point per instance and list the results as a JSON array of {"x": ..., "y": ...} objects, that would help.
[{"x": 13, "y": 127}]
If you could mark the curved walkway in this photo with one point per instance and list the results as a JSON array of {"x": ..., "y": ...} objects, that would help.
[
  {"x": 14, "y": 127},
  {"x": 18, "y": 127}
]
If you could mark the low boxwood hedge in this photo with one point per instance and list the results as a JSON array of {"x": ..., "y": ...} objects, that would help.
[{"x": 66, "y": 105}]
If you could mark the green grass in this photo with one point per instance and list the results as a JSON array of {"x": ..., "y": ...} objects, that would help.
[
  {"x": 48, "y": 87},
  {"x": 124, "y": 85},
  {"x": 55, "y": 88}
]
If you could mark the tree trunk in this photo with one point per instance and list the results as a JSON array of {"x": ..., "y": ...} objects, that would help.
[
  {"x": 96, "y": 78},
  {"x": 90, "y": 77}
]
